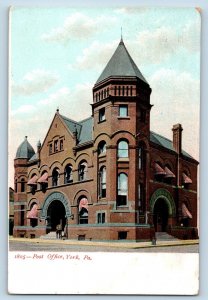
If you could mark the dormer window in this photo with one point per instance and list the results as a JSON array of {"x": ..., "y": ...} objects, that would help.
[{"x": 56, "y": 146}]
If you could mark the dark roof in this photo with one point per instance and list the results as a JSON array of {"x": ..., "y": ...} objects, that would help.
[
  {"x": 34, "y": 157},
  {"x": 121, "y": 65},
  {"x": 164, "y": 142},
  {"x": 84, "y": 128},
  {"x": 25, "y": 150}
]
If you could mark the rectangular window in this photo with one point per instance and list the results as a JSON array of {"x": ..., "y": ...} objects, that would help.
[
  {"x": 102, "y": 114},
  {"x": 122, "y": 235},
  {"x": 123, "y": 110},
  {"x": 50, "y": 149},
  {"x": 101, "y": 218},
  {"x": 56, "y": 146},
  {"x": 61, "y": 144}
]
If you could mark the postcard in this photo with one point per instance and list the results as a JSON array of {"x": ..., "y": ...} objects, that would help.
[{"x": 104, "y": 150}]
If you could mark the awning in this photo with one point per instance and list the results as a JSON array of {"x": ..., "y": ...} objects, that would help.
[
  {"x": 33, "y": 180},
  {"x": 159, "y": 170},
  {"x": 186, "y": 179},
  {"x": 169, "y": 173},
  {"x": 185, "y": 212},
  {"x": 83, "y": 204},
  {"x": 33, "y": 213},
  {"x": 43, "y": 178}
]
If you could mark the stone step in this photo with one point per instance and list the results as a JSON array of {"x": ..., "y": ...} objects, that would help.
[
  {"x": 50, "y": 236},
  {"x": 164, "y": 236}
]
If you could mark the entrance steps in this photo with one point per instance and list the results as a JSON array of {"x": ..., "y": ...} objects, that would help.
[
  {"x": 50, "y": 236},
  {"x": 164, "y": 236}
]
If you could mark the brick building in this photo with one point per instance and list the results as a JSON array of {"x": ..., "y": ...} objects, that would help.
[{"x": 107, "y": 177}]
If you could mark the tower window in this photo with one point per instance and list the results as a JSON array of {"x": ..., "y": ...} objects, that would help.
[
  {"x": 123, "y": 149},
  {"x": 102, "y": 148},
  {"x": 102, "y": 114},
  {"x": 83, "y": 211},
  {"x": 22, "y": 185},
  {"x": 122, "y": 189},
  {"x": 61, "y": 144},
  {"x": 123, "y": 110}
]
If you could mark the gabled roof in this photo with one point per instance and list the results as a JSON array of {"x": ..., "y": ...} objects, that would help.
[
  {"x": 25, "y": 150},
  {"x": 121, "y": 65},
  {"x": 164, "y": 142},
  {"x": 84, "y": 128}
]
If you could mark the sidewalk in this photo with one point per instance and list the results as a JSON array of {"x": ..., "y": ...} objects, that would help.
[{"x": 116, "y": 244}]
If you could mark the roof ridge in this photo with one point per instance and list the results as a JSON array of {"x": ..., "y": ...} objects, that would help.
[{"x": 68, "y": 119}]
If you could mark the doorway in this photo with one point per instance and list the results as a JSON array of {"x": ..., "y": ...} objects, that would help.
[
  {"x": 56, "y": 214},
  {"x": 160, "y": 215}
]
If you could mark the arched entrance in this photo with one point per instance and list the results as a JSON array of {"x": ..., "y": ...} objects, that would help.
[
  {"x": 56, "y": 214},
  {"x": 160, "y": 215},
  {"x": 163, "y": 209},
  {"x": 56, "y": 209}
]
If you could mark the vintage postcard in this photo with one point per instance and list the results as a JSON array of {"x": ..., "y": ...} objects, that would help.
[{"x": 104, "y": 150}]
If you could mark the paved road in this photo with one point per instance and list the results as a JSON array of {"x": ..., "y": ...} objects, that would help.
[{"x": 28, "y": 246}]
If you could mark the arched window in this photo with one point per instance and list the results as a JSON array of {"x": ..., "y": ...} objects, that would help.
[
  {"x": 122, "y": 189},
  {"x": 123, "y": 149},
  {"x": 102, "y": 182},
  {"x": 186, "y": 180},
  {"x": 33, "y": 183},
  {"x": 159, "y": 172},
  {"x": 33, "y": 215},
  {"x": 102, "y": 148},
  {"x": 169, "y": 176},
  {"x": 83, "y": 210},
  {"x": 82, "y": 170},
  {"x": 68, "y": 178},
  {"x": 43, "y": 181},
  {"x": 22, "y": 185},
  {"x": 55, "y": 177}
]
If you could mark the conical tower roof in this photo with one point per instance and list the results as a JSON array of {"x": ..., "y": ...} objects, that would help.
[
  {"x": 121, "y": 65},
  {"x": 25, "y": 150}
]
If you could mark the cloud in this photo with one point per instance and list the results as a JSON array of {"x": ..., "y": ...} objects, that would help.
[
  {"x": 78, "y": 26},
  {"x": 36, "y": 81},
  {"x": 175, "y": 97},
  {"x": 131, "y": 10},
  {"x": 96, "y": 55},
  {"x": 24, "y": 109}
]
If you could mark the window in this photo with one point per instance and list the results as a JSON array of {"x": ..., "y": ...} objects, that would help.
[
  {"x": 101, "y": 218},
  {"x": 123, "y": 110},
  {"x": 82, "y": 171},
  {"x": 83, "y": 211},
  {"x": 122, "y": 235},
  {"x": 115, "y": 90},
  {"x": 102, "y": 148},
  {"x": 61, "y": 144},
  {"x": 102, "y": 182},
  {"x": 127, "y": 91},
  {"x": 68, "y": 174},
  {"x": 102, "y": 114},
  {"x": 56, "y": 146},
  {"x": 22, "y": 185},
  {"x": 123, "y": 149},
  {"x": 55, "y": 177},
  {"x": 50, "y": 149},
  {"x": 122, "y": 189},
  {"x": 141, "y": 158}
]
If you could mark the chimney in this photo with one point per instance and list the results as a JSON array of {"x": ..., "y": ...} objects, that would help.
[
  {"x": 38, "y": 149},
  {"x": 177, "y": 137}
]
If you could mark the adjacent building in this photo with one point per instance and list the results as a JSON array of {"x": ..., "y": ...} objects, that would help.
[{"x": 107, "y": 177}]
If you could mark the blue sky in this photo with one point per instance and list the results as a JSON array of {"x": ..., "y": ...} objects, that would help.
[{"x": 57, "y": 54}]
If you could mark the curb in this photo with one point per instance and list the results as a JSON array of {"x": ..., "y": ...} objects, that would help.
[{"x": 108, "y": 244}]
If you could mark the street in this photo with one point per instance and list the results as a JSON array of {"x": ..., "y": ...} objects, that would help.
[{"x": 61, "y": 246}]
